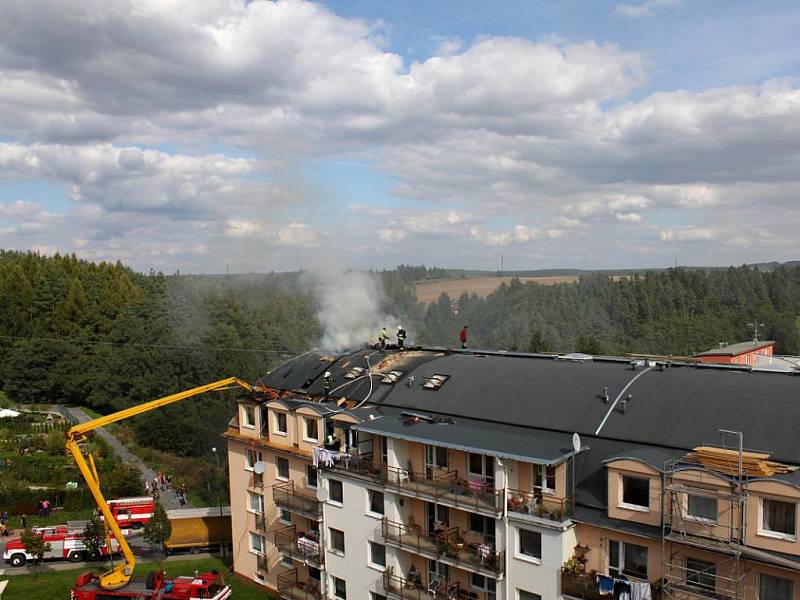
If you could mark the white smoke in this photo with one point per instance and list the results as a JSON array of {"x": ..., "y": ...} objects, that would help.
[{"x": 350, "y": 308}]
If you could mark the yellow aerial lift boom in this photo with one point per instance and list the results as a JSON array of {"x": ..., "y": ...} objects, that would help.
[{"x": 120, "y": 575}]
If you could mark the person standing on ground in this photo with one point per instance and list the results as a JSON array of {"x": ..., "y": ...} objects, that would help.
[
  {"x": 463, "y": 338},
  {"x": 401, "y": 337},
  {"x": 24, "y": 520}
]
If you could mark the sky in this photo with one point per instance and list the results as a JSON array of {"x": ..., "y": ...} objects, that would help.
[{"x": 256, "y": 136}]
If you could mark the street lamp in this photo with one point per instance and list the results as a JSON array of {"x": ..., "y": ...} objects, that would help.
[{"x": 219, "y": 497}]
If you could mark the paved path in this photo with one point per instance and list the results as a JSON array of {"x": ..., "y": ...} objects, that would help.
[{"x": 168, "y": 499}]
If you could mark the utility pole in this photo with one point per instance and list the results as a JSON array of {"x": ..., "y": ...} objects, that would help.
[{"x": 754, "y": 326}]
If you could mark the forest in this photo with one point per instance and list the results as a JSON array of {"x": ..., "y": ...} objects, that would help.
[{"x": 106, "y": 337}]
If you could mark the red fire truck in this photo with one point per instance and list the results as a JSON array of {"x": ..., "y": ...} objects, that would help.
[
  {"x": 64, "y": 543},
  {"x": 156, "y": 587},
  {"x": 132, "y": 512}
]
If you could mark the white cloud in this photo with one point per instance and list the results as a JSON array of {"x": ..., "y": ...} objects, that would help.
[
  {"x": 688, "y": 234},
  {"x": 645, "y": 9}
]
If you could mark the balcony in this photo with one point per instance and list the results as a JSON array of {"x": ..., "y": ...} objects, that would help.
[
  {"x": 403, "y": 589},
  {"x": 291, "y": 588},
  {"x": 299, "y": 546},
  {"x": 286, "y": 497},
  {"x": 445, "y": 487},
  {"x": 585, "y": 587},
  {"x": 257, "y": 480},
  {"x": 261, "y": 563},
  {"x": 535, "y": 506},
  {"x": 447, "y": 546},
  {"x": 261, "y": 521}
]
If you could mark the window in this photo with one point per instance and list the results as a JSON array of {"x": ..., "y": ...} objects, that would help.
[
  {"x": 435, "y": 458},
  {"x": 627, "y": 559},
  {"x": 384, "y": 451},
  {"x": 256, "y": 503},
  {"x": 285, "y": 516},
  {"x": 778, "y": 517},
  {"x": 530, "y": 543},
  {"x": 376, "y": 596},
  {"x": 636, "y": 492},
  {"x": 252, "y": 457},
  {"x": 482, "y": 525},
  {"x": 375, "y": 502},
  {"x": 774, "y": 588},
  {"x": 434, "y": 382},
  {"x": 311, "y": 476},
  {"x": 249, "y": 415},
  {"x": 257, "y": 544},
  {"x": 336, "y": 491},
  {"x": 485, "y": 584},
  {"x": 313, "y": 528},
  {"x": 313, "y": 573},
  {"x": 283, "y": 467},
  {"x": 523, "y": 595},
  {"x": 701, "y": 507},
  {"x": 280, "y": 423},
  {"x": 481, "y": 466},
  {"x": 377, "y": 554},
  {"x": 339, "y": 588},
  {"x": 286, "y": 560},
  {"x": 701, "y": 573},
  {"x": 544, "y": 478},
  {"x": 311, "y": 430},
  {"x": 337, "y": 539}
]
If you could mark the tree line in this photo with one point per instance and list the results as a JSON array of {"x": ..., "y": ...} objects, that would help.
[{"x": 105, "y": 336}]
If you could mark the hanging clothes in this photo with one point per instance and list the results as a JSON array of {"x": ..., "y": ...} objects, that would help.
[
  {"x": 622, "y": 589},
  {"x": 605, "y": 585},
  {"x": 641, "y": 591}
]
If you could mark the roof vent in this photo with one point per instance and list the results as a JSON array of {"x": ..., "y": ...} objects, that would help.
[
  {"x": 624, "y": 403},
  {"x": 434, "y": 382},
  {"x": 392, "y": 377},
  {"x": 355, "y": 373},
  {"x": 606, "y": 398}
]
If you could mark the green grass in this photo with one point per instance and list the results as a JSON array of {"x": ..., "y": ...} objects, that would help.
[
  {"x": 55, "y": 585},
  {"x": 59, "y": 517}
]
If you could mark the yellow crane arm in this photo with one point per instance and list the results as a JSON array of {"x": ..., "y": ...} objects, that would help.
[{"x": 120, "y": 575}]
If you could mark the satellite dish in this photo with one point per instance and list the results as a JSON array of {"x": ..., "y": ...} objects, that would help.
[
  {"x": 259, "y": 468},
  {"x": 322, "y": 494},
  {"x": 576, "y": 442}
]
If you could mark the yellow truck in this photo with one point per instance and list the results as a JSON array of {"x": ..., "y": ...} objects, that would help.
[{"x": 198, "y": 529}]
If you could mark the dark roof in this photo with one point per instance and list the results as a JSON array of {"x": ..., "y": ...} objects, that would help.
[
  {"x": 736, "y": 349},
  {"x": 504, "y": 441},
  {"x": 599, "y": 518},
  {"x": 651, "y": 456}
]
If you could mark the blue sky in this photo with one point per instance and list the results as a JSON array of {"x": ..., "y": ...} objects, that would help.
[{"x": 266, "y": 135}]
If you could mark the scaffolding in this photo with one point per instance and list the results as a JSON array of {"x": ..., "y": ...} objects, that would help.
[{"x": 689, "y": 527}]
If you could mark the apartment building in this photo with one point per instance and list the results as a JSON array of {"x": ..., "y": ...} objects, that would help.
[{"x": 441, "y": 474}]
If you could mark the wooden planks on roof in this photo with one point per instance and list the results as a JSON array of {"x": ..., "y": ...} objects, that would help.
[{"x": 754, "y": 464}]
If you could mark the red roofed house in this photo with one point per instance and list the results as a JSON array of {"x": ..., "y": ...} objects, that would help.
[{"x": 743, "y": 353}]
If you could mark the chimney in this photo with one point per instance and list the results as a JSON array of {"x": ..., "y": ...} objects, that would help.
[{"x": 605, "y": 395}]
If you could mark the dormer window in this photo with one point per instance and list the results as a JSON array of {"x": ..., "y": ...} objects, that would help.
[
  {"x": 636, "y": 492},
  {"x": 434, "y": 382},
  {"x": 392, "y": 377}
]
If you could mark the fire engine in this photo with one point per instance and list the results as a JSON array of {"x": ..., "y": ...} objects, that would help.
[
  {"x": 132, "y": 512},
  {"x": 64, "y": 543},
  {"x": 156, "y": 587}
]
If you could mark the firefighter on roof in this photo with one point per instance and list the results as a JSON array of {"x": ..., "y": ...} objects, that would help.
[
  {"x": 327, "y": 383},
  {"x": 401, "y": 337},
  {"x": 383, "y": 337}
]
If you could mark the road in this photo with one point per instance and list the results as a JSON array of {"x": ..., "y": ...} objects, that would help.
[
  {"x": 168, "y": 499},
  {"x": 141, "y": 549}
]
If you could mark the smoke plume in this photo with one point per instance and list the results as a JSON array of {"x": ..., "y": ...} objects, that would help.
[{"x": 350, "y": 310}]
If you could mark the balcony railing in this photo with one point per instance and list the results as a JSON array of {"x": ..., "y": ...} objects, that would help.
[
  {"x": 540, "y": 505},
  {"x": 285, "y": 496},
  {"x": 438, "y": 589},
  {"x": 291, "y": 588},
  {"x": 298, "y": 546},
  {"x": 445, "y": 544},
  {"x": 585, "y": 587},
  {"x": 261, "y": 522},
  {"x": 257, "y": 480},
  {"x": 443, "y": 487},
  {"x": 261, "y": 563}
]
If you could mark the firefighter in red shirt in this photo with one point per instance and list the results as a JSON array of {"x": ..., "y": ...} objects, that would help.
[{"x": 464, "y": 337}]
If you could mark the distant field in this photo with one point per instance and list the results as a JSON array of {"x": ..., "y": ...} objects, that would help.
[{"x": 429, "y": 291}]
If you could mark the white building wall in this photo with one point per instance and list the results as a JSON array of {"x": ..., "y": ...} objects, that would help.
[
  {"x": 539, "y": 577},
  {"x": 359, "y": 527}
]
